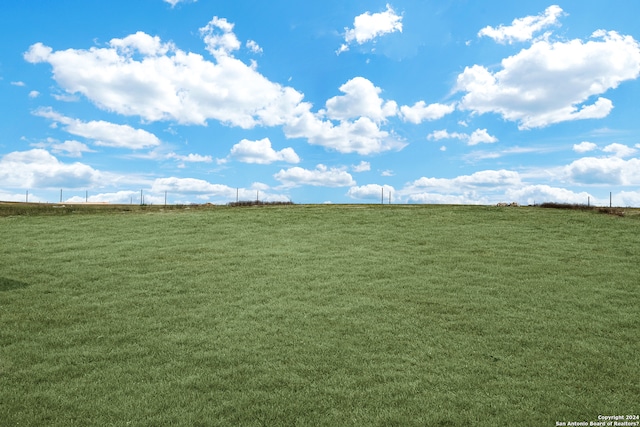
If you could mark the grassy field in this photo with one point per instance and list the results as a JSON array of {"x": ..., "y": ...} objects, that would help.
[{"x": 318, "y": 316}]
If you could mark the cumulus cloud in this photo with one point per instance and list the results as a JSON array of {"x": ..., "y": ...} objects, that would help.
[
  {"x": 71, "y": 148},
  {"x": 190, "y": 158},
  {"x": 477, "y": 188},
  {"x": 205, "y": 190},
  {"x": 358, "y": 113},
  {"x": 322, "y": 176},
  {"x": 38, "y": 168},
  {"x": 253, "y": 46},
  {"x": 537, "y": 194},
  {"x": 553, "y": 82},
  {"x": 476, "y": 137},
  {"x": 103, "y": 133},
  {"x": 489, "y": 187},
  {"x": 362, "y": 136},
  {"x": 219, "y": 37},
  {"x": 371, "y": 192},
  {"x": 361, "y": 99},
  {"x": 523, "y": 29},
  {"x": 119, "y": 197},
  {"x": 608, "y": 170},
  {"x": 173, "y": 3},
  {"x": 420, "y": 112},
  {"x": 261, "y": 152},
  {"x": 191, "y": 186},
  {"x": 369, "y": 26},
  {"x": 584, "y": 146},
  {"x": 362, "y": 167},
  {"x": 141, "y": 75},
  {"x": 487, "y": 178},
  {"x": 619, "y": 150}
]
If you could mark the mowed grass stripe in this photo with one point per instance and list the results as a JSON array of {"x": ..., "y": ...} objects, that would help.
[{"x": 319, "y": 315}]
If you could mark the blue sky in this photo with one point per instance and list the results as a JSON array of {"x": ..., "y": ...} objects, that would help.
[{"x": 423, "y": 101}]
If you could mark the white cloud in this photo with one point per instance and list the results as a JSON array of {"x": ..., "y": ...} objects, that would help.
[
  {"x": 34, "y": 94},
  {"x": 253, "y": 46},
  {"x": 162, "y": 82},
  {"x": 173, "y": 3},
  {"x": 321, "y": 177},
  {"x": 140, "y": 75},
  {"x": 421, "y": 112},
  {"x": 361, "y": 99},
  {"x": 538, "y": 194},
  {"x": 619, "y": 150},
  {"x": 103, "y": 133},
  {"x": 437, "y": 135},
  {"x": 372, "y": 192},
  {"x": 482, "y": 179},
  {"x": 119, "y": 197},
  {"x": 483, "y": 187},
  {"x": 142, "y": 43},
  {"x": 369, "y": 26},
  {"x": 446, "y": 199},
  {"x": 359, "y": 114},
  {"x": 18, "y": 83},
  {"x": 553, "y": 82},
  {"x": 261, "y": 152},
  {"x": 523, "y": 29},
  {"x": 609, "y": 170},
  {"x": 191, "y": 186},
  {"x": 71, "y": 148},
  {"x": 19, "y": 197},
  {"x": 584, "y": 146},
  {"x": 362, "y": 136},
  {"x": 362, "y": 167},
  {"x": 627, "y": 198},
  {"x": 219, "y": 37},
  {"x": 191, "y": 158},
  {"x": 205, "y": 190},
  {"x": 478, "y": 136},
  {"x": 37, "y": 168},
  {"x": 481, "y": 136}
]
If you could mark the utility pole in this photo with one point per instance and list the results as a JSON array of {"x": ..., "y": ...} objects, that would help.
[{"x": 382, "y": 197}]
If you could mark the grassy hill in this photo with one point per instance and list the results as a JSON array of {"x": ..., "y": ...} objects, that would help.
[{"x": 318, "y": 315}]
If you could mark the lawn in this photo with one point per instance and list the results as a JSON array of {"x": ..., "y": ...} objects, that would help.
[{"x": 318, "y": 316}]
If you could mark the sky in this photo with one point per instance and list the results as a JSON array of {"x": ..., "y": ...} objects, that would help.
[{"x": 332, "y": 101}]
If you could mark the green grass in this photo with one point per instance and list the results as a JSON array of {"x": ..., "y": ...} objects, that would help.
[{"x": 319, "y": 316}]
